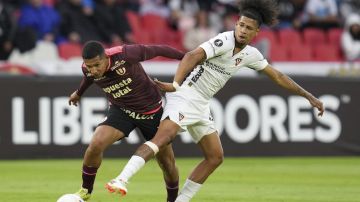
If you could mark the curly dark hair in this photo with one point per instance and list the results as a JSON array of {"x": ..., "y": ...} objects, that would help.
[{"x": 263, "y": 11}]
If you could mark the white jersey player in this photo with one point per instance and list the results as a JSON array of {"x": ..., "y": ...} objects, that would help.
[
  {"x": 189, "y": 105},
  {"x": 221, "y": 63},
  {"x": 201, "y": 73}
]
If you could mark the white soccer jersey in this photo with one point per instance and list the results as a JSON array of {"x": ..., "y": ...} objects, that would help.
[
  {"x": 189, "y": 106},
  {"x": 220, "y": 64}
]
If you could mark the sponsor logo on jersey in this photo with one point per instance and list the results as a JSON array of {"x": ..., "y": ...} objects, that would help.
[
  {"x": 217, "y": 68},
  {"x": 138, "y": 116},
  {"x": 117, "y": 64},
  {"x": 119, "y": 89},
  {"x": 237, "y": 61},
  {"x": 218, "y": 42},
  {"x": 198, "y": 74}
]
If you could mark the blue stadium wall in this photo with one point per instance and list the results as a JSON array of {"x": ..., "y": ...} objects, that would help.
[{"x": 254, "y": 117}]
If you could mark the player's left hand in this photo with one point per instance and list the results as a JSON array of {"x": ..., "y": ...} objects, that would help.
[
  {"x": 165, "y": 86},
  {"x": 74, "y": 99},
  {"x": 317, "y": 103}
]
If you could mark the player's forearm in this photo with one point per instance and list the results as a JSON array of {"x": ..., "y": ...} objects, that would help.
[
  {"x": 289, "y": 84},
  {"x": 187, "y": 64},
  {"x": 85, "y": 83}
]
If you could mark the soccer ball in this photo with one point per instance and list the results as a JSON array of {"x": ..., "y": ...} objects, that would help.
[{"x": 70, "y": 198}]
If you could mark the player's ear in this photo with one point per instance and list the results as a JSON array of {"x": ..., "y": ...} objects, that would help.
[{"x": 257, "y": 31}]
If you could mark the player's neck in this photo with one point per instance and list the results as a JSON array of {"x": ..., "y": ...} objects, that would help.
[{"x": 238, "y": 47}]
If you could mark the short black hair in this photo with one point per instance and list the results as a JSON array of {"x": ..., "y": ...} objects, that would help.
[
  {"x": 263, "y": 11},
  {"x": 92, "y": 49}
]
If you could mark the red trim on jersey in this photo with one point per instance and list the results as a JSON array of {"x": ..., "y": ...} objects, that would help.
[
  {"x": 109, "y": 64},
  {"x": 113, "y": 51},
  {"x": 154, "y": 110}
]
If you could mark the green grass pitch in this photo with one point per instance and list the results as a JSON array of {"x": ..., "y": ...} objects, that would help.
[{"x": 322, "y": 179}]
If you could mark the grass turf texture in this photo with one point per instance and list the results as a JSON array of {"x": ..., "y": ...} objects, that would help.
[{"x": 325, "y": 179}]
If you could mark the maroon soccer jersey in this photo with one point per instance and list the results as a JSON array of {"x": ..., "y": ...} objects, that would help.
[{"x": 125, "y": 82}]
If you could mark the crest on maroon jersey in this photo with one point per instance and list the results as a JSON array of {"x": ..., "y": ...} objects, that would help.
[{"x": 121, "y": 71}]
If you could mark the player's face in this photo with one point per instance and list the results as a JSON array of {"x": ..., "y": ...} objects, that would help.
[
  {"x": 245, "y": 30},
  {"x": 97, "y": 66}
]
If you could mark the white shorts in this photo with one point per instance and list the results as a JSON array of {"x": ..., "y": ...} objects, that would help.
[{"x": 190, "y": 111}]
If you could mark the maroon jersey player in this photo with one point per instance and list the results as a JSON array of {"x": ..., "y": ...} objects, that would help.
[{"x": 135, "y": 102}]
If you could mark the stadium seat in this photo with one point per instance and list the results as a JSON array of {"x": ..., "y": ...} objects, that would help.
[
  {"x": 279, "y": 53},
  {"x": 267, "y": 34},
  {"x": 334, "y": 36},
  {"x": 143, "y": 38},
  {"x": 326, "y": 52},
  {"x": 175, "y": 39},
  {"x": 151, "y": 22},
  {"x": 300, "y": 53},
  {"x": 289, "y": 36},
  {"x": 156, "y": 27},
  {"x": 314, "y": 36},
  {"x": 9, "y": 68},
  {"x": 134, "y": 21},
  {"x": 69, "y": 50}
]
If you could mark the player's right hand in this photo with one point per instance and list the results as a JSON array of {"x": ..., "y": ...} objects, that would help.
[
  {"x": 317, "y": 104},
  {"x": 74, "y": 99}
]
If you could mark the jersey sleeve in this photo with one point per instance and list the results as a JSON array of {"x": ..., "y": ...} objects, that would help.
[
  {"x": 85, "y": 82},
  {"x": 256, "y": 60},
  {"x": 138, "y": 52},
  {"x": 216, "y": 46}
]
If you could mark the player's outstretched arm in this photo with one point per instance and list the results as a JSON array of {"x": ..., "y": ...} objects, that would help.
[
  {"x": 85, "y": 83},
  {"x": 138, "y": 52},
  {"x": 188, "y": 63},
  {"x": 74, "y": 99},
  {"x": 287, "y": 83}
]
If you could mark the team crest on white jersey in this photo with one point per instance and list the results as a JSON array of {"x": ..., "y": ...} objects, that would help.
[
  {"x": 237, "y": 61},
  {"x": 181, "y": 116},
  {"x": 211, "y": 118}
]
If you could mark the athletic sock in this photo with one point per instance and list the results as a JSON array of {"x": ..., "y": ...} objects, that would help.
[
  {"x": 172, "y": 189},
  {"x": 188, "y": 191},
  {"x": 88, "y": 177},
  {"x": 133, "y": 165}
]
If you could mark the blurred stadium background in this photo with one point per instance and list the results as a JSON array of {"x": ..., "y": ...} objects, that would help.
[{"x": 278, "y": 149}]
